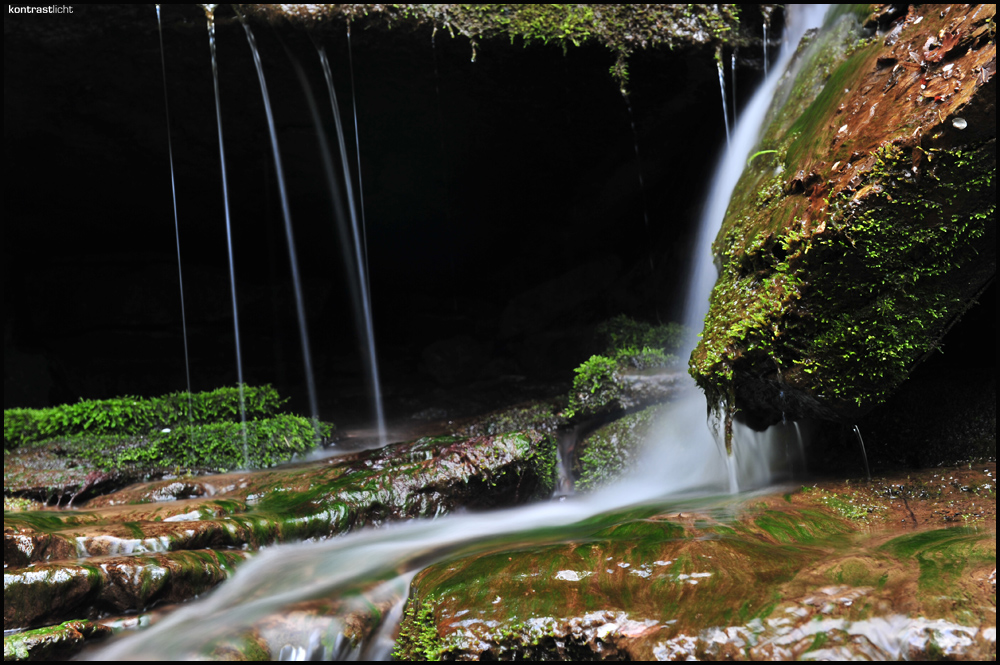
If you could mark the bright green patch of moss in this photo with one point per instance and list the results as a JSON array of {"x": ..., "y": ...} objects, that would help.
[
  {"x": 138, "y": 415},
  {"x": 215, "y": 446}
]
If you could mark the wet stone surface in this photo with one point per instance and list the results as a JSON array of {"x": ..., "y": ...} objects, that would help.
[
  {"x": 798, "y": 576},
  {"x": 167, "y": 541}
]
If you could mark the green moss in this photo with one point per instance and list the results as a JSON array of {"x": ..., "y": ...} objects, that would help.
[
  {"x": 612, "y": 450},
  {"x": 137, "y": 415},
  {"x": 418, "y": 637},
  {"x": 216, "y": 446},
  {"x": 622, "y": 29},
  {"x": 629, "y": 345}
]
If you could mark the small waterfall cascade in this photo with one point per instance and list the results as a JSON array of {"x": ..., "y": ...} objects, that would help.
[
  {"x": 177, "y": 229},
  {"x": 210, "y": 15},
  {"x": 378, "y": 563},
  {"x": 764, "y": 43},
  {"x": 732, "y": 72},
  {"x": 359, "y": 260},
  {"x": 286, "y": 214}
]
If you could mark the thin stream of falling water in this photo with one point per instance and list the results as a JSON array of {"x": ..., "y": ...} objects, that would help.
[
  {"x": 642, "y": 184},
  {"x": 210, "y": 14},
  {"x": 357, "y": 145},
  {"x": 722, "y": 88},
  {"x": 864, "y": 455},
  {"x": 372, "y": 360},
  {"x": 732, "y": 70},
  {"x": 177, "y": 228},
  {"x": 765, "y": 49},
  {"x": 286, "y": 214}
]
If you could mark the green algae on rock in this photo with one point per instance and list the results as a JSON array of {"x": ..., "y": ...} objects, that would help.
[
  {"x": 168, "y": 540},
  {"x": 612, "y": 450},
  {"x": 864, "y": 224},
  {"x": 665, "y": 584},
  {"x": 52, "y": 642}
]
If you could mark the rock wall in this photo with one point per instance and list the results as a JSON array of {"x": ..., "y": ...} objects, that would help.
[{"x": 863, "y": 225}]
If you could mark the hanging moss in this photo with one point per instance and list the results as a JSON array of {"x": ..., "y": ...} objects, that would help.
[{"x": 622, "y": 29}]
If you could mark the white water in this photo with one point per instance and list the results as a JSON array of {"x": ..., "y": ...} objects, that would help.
[
  {"x": 210, "y": 14},
  {"x": 685, "y": 460}
]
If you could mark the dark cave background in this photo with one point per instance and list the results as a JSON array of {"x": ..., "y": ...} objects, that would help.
[{"x": 502, "y": 200}]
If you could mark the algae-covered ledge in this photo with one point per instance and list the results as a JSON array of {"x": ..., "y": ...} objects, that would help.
[{"x": 864, "y": 223}]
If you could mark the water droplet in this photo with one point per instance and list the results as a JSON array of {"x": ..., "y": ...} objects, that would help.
[{"x": 959, "y": 123}]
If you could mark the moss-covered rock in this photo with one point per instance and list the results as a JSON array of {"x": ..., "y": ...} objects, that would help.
[
  {"x": 52, "y": 642},
  {"x": 612, "y": 450},
  {"x": 638, "y": 367},
  {"x": 864, "y": 223},
  {"x": 788, "y": 578},
  {"x": 75, "y": 467}
]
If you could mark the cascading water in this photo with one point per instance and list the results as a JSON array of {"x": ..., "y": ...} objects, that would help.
[
  {"x": 210, "y": 14},
  {"x": 286, "y": 214},
  {"x": 379, "y": 563},
  {"x": 732, "y": 71},
  {"x": 177, "y": 229},
  {"x": 764, "y": 44},
  {"x": 365, "y": 299}
]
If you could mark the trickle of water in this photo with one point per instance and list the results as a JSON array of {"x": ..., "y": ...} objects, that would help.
[
  {"x": 177, "y": 229},
  {"x": 722, "y": 88},
  {"x": 732, "y": 71},
  {"x": 286, "y": 214},
  {"x": 372, "y": 360},
  {"x": 765, "y": 49},
  {"x": 357, "y": 145},
  {"x": 864, "y": 455},
  {"x": 210, "y": 14}
]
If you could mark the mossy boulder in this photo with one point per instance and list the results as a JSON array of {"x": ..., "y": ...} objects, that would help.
[
  {"x": 864, "y": 223},
  {"x": 52, "y": 642}
]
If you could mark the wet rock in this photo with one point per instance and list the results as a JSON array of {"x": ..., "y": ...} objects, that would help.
[
  {"x": 787, "y": 578},
  {"x": 612, "y": 450},
  {"x": 863, "y": 225},
  {"x": 52, "y": 642},
  {"x": 615, "y": 390},
  {"x": 44, "y": 593},
  {"x": 167, "y": 541}
]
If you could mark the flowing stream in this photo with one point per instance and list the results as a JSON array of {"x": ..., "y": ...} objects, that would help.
[{"x": 376, "y": 565}]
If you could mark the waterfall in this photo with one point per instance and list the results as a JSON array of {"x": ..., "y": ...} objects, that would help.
[{"x": 381, "y": 561}]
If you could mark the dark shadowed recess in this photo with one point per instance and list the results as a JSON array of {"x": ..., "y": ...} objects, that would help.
[{"x": 502, "y": 199}]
